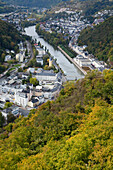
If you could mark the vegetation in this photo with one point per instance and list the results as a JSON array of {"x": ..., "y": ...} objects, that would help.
[
  {"x": 71, "y": 53},
  {"x": 8, "y": 104},
  {"x": 91, "y": 7},
  {"x": 99, "y": 40},
  {"x": 34, "y": 81},
  {"x": 2, "y": 120},
  {"x": 9, "y": 37},
  {"x": 73, "y": 132},
  {"x": 53, "y": 38},
  {"x": 34, "y": 3},
  {"x": 5, "y": 9}
]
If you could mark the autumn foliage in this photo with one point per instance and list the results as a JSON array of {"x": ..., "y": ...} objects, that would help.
[{"x": 73, "y": 132}]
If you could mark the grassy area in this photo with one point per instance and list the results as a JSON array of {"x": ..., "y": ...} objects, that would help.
[
  {"x": 17, "y": 65},
  {"x": 72, "y": 55},
  {"x": 13, "y": 68}
]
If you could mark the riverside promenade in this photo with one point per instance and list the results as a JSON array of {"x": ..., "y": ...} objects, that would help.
[{"x": 72, "y": 61}]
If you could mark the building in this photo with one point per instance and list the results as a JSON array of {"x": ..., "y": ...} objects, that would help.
[
  {"x": 11, "y": 110},
  {"x": 31, "y": 70},
  {"x": 98, "y": 21},
  {"x": 2, "y": 104},
  {"x": 46, "y": 75},
  {"x": 25, "y": 75},
  {"x": 22, "y": 98},
  {"x": 98, "y": 64},
  {"x": 82, "y": 61},
  {"x": 7, "y": 57},
  {"x": 39, "y": 59},
  {"x": 50, "y": 62},
  {"x": 20, "y": 56},
  {"x": 33, "y": 103}
]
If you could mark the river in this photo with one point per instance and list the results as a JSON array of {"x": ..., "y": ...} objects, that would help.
[{"x": 68, "y": 68}]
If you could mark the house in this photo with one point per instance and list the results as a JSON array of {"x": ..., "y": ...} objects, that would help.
[
  {"x": 24, "y": 112},
  {"x": 39, "y": 59},
  {"x": 25, "y": 75},
  {"x": 7, "y": 51},
  {"x": 30, "y": 85},
  {"x": 12, "y": 51},
  {"x": 98, "y": 64},
  {"x": 31, "y": 19},
  {"x": 20, "y": 56},
  {"x": 41, "y": 99},
  {"x": 7, "y": 57},
  {"x": 13, "y": 110},
  {"x": 5, "y": 112},
  {"x": 38, "y": 87},
  {"x": 98, "y": 21},
  {"x": 41, "y": 51},
  {"x": 2, "y": 104},
  {"x": 31, "y": 70},
  {"x": 33, "y": 103}
]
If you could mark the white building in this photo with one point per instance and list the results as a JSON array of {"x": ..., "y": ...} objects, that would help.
[
  {"x": 22, "y": 98},
  {"x": 50, "y": 62},
  {"x": 98, "y": 64},
  {"x": 41, "y": 51},
  {"x": 20, "y": 57},
  {"x": 41, "y": 99},
  {"x": 39, "y": 59},
  {"x": 11, "y": 110},
  {"x": 46, "y": 75},
  {"x": 7, "y": 57},
  {"x": 82, "y": 61},
  {"x": 31, "y": 70}
]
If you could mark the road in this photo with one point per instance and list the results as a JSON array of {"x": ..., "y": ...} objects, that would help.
[{"x": 29, "y": 47}]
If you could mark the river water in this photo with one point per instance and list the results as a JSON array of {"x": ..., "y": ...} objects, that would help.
[{"x": 68, "y": 68}]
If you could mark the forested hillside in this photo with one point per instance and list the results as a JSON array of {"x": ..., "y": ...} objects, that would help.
[
  {"x": 91, "y": 7},
  {"x": 99, "y": 40},
  {"x": 5, "y": 9},
  {"x": 9, "y": 38},
  {"x": 73, "y": 132},
  {"x": 34, "y": 3}
]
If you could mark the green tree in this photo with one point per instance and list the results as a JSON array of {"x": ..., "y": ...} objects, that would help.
[
  {"x": 10, "y": 118},
  {"x": 34, "y": 81},
  {"x": 8, "y": 104},
  {"x": 2, "y": 120}
]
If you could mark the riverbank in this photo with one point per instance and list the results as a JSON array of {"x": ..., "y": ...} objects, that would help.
[
  {"x": 69, "y": 69},
  {"x": 72, "y": 61}
]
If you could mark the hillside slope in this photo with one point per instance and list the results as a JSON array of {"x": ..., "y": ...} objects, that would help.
[
  {"x": 9, "y": 37},
  {"x": 99, "y": 40},
  {"x": 34, "y": 3},
  {"x": 73, "y": 132},
  {"x": 5, "y": 9}
]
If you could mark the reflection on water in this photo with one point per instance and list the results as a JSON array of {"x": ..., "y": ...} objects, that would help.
[{"x": 69, "y": 69}]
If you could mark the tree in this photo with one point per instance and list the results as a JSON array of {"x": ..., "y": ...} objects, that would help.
[
  {"x": 20, "y": 69},
  {"x": 2, "y": 120},
  {"x": 10, "y": 118},
  {"x": 34, "y": 81},
  {"x": 8, "y": 104}
]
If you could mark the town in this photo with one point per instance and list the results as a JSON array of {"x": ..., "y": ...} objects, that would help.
[
  {"x": 29, "y": 87},
  {"x": 71, "y": 24},
  {"x": 25, "y": 88}
]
